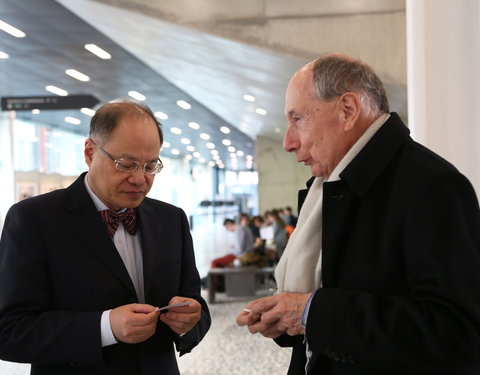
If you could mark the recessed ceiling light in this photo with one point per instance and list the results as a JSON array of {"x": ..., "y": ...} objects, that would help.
[
  {"x": 191, "y": 148},
  {"x": 240, "y": 153},
  {"x": 4, "y": 55},
  {"x": 249, "y": 98},
  {"x": 56, "y": 90},
  {"x": 189, "y": 157},
  {"x": 35, "y": 111},
  {"x": 210, "y": 145},
  {"x": 226, "y": 142},
  {"x": 136, "y": 95},
  {"x": 224, "y": 129},
  {"x": 175, "y": 151},
  {"x": 233, "y": 155},
  {"x": 87, "y": 111},
  {"x": 166, "y": 144},
  {"x": 161, "y": 115},
  {"x": 211, "y": 164},
  {"x": 202, "y": 160},
  {"x": 72, "y": 120},
  {"x": 204, "y": 136},
  {"x": 194, "y": 125},
  {"x": 96, "y": 50},
  {"x": 231, "y": 149},
  {"x": 185, "y": 141},
  {"x": 261, "y": 111},
  {"x": 249, "y": 157},
  {"x": 175, "y": 130},
  {"x": 77, "y": 75},
  {"x": 183, "y": 104},
  {"x": 12, "y": 30},
  {"x": 214, "y": 152},
  {"x": 196, "y": 154},
  {"x": 216, "y": 157}
]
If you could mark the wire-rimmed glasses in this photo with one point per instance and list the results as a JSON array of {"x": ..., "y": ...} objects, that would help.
[{"x": 131, "y": 166}]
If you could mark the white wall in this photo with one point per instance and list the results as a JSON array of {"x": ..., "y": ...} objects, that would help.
[
  {"x": 280, "y": 176},
  {"x": 443, "y": 43}
]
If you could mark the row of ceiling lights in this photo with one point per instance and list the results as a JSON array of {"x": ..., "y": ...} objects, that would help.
[{"x": 99, "y": 52}]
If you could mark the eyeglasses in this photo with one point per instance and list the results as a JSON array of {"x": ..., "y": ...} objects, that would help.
[{"x": 131, "y": 166}]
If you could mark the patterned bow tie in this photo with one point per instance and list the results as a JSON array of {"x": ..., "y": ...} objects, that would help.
[{"x": 112, "y": 220}]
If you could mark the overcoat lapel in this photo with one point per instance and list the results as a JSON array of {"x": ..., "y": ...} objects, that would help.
[{"x": 87, "y": 228}]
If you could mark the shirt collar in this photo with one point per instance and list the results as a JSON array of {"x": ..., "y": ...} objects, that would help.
[
  {"x": 96, "y": 200},
  {"x": 357, "y": 147}
]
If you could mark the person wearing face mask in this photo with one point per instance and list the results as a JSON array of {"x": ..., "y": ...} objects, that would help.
[
  {"x": 84, "y": 270},
  {"x": 381, "y": 275}
]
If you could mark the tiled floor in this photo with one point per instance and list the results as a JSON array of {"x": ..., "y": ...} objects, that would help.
[{"x": 227, "y": 349}]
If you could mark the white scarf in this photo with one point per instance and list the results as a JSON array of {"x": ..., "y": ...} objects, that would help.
[{"x": 299, "y": 267}]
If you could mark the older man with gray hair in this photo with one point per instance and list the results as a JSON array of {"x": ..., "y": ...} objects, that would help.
[{"x": 381, "y": 275}]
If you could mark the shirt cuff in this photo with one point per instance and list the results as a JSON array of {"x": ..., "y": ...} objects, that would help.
[
  {"x": 106, "y": 330},
  {"x": 307, "y": 309}
]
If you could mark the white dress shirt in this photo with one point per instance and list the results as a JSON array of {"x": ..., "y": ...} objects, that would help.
[{"x": 130, "y": 250}]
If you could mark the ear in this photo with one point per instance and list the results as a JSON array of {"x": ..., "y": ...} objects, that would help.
[
  {"x": 350, "y": 109},
  {"x": 88, "y": 151}
]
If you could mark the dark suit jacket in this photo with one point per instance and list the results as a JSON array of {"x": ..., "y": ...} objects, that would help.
[
  {"x": 400, "y": 266},
  {"x": 59, "y": 270}
]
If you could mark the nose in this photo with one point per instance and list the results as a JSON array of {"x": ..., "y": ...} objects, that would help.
[
  {"x": 137, "y": 177},
  {"x": 290, "y": 139}
]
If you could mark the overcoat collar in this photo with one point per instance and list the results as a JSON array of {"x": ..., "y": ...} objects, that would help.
[
  {"x": 370, "y": 162},
  {"x": 365, "y": 168}
]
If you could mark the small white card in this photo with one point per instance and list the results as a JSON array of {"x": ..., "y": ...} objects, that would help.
[{"x": 165, "y": 308}]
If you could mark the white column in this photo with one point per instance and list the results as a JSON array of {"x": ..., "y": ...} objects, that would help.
[
  {"x": 7, "y": 176},
  {"x": 443, "y": 62}
]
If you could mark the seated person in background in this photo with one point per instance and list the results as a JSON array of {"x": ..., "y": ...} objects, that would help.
[
  {"x": 243, "y": 242},
  {"x": 257, "y": 256},
  {"x": 289, "y": 217},
  {"x": 276, "y": 246},
  {"x": 256, "y": 223}
]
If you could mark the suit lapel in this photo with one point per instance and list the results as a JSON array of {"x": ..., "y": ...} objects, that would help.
[{"x": 87, "y": 227}]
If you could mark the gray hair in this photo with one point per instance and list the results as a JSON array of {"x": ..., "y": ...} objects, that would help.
[
  {"x": 107, "y": 117},
  {"x": 334, "y": 75}
]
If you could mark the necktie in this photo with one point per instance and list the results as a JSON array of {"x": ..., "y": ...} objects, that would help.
[{"x": 112, "y": 220}]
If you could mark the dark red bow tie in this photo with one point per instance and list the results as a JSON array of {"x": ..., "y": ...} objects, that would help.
[{"x": 112, "y": 220}]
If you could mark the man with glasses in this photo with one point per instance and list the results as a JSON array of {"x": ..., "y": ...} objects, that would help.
[{"x": 84, "y": 270}]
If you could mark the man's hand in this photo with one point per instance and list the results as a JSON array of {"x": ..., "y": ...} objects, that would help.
[
  {"x": 276, "y": 315},
  {"x": 133, "y": 323},
  {"x": 182, "y": 319}
]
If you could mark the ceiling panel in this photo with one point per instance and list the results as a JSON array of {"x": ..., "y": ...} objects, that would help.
[{"x": 54, "y": 42}]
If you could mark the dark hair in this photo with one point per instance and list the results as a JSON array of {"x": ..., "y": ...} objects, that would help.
[
  {"x": 243, "y": 216},
  {"x": 258, "y": 218},
  {"x": 276, "y": 217},
  {"x": 228, "y": 221},
  {"x": 108, "y": 116},
  {"x": 334, "y": 75}
]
